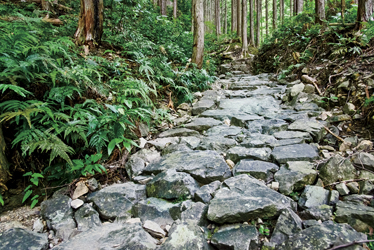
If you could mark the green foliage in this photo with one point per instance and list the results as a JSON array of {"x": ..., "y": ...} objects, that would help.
[
  {"x": 34, "y": 179},
  {"x": 89, "y": 165},
  {"x": 263, "y": 230}
]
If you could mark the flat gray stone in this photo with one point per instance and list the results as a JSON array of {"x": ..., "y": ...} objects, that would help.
[
  {"x": 202, "y": 105},
  {"x": 315, "y": 128},
  {"x": 354, "y": 214},
  {"x": 137, "y": 162},
  {"x": 178, "y": 132},
  {"x": 322, "y": 236},
  {"x": 224, "y": 130},
  {"x": 205, "y": 193},
  {"x": 258, "y": 169},
  {"x": 172, "y": 185},
  {"x": 269, "y": 127},
  {"x": 243, "y": 198},
  {"x": 217, "y": 143},
  {"x": 204, "y": 166},
  {"x": 283, "y": 135},
  {"x": 323, "y": 213},
  {"x": 201, "y": 124},
  {"x": 241, "y": 120},
  {"x": 237, "y": 153},
  {"x": 219, "y": 114},
  {"x": 190, "y": 141},
  {"x": 174, "y": 148},
  {"x": 87, "y": 218},
  {"x": 314, "y": 196},
  {"x": 194, "y": 212},
  {"x": 294, "y": 176},
  {"x": 336, "y": 169},
  {"x": 161, "y": 143},
  {"x": 236, "y": 237},
  {"x": 296, "y": 152},
  {"x": 109, "y": 236},
  {"x": 116, "y": 201},
  {"x": 288, "y": 224},
  {"x": 364, "y": 159},
  {"x": 20, "y": 239}
]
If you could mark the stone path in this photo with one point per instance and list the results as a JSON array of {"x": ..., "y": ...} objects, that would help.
[{"x": 219, "y": 181}]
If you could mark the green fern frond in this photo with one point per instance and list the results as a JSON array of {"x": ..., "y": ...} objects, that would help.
[
  {"x": 19, "y": 90},
  {"x": 22, "y": 111}
]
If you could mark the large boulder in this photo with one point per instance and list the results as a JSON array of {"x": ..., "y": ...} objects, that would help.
[
  {"x": 294, "y": 176},
  {"x": 357, "y": 215},
  {"x": 322, "y": 236},
  {"x": 111, "y": 235},
  {"x": 243, "y": 198},
  {"x": 117, "y": 200},
  {"x": 204, "y": 166},
  {"x": 336, "y": 169},
  {"x": 172, "y": 185},
  {"x": 20, "y": 239},
  {"x": 236, "y": 237}
]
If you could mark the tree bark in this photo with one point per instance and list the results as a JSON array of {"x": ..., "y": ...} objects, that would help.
[
  {"x": 217, "y": 18},
  {"x": 291, "y": 8},
  {"x": 267, "y": 17},
  {"x": 234, "y": 16},
  {"x": 239, "y": 21},
  {"x": 225, "y": 25},
  {"x": 90, "y": 24},
  {"x": 163, "y": 7},
  {"x": 258, "y": 38},
  {"x": 4, "y": 165},
  {"x": 244, "y": 28},
  {"x": 274, "y": 15},
  {"x": 320, "y": 11},
  {"x": 281, "y": 10},
  {"x": 299, "y": 6},
  {"x": 175, "y": 3},
  {"x": 364, "y": 12},
  {"x": 251, "y": 20},
  {"x": 198, "y": 36}
]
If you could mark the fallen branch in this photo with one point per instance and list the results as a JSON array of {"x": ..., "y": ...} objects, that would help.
[
  {"x": 64, "y": 7},
  {"x": 342, "y": 24},
  {"x": 308, "y": 79},
  {"x": 351, "y": 244},
  {"x": 336, "y": 136}
]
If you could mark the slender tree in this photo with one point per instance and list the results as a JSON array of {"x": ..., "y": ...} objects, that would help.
[
  {"x": 299, "y": 4},
  {"x": 239, "y": 20},
  {"x": 90, "y": 24},
  {"x": 163, "y": 7},
  {"x": 291, "y": 7},
  {"x": 217, "y": 18},
  {"x": 234, "y": 16},
  {"x": 274, "y": 14},
  {"x": 244, "y": 28},
  {"x": 225, "y": 18},
  {"x": 258, "y": 38},
  {"x": 364, "y": 12},
  {"x": 251, "y": 20},
  {"x": 281, "y": 10},
  {"x": 267, "y": 17},
  {"x": 198, "y": 36},
  {"x": 4, "y": 165},
  {"x": 175, "y": 3},
  {"x": 320, "y": 11}
]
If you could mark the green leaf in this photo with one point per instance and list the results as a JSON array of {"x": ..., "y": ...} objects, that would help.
[
  {"x": 37, "y": 175},
  {"x": 34, "y": 201},
  {"x": 112, "y": 144},
  {"x": 95, "y": 158},
  {"x": 1, "y": 200},
  {"x": 28, "y": 187},
  {"x": 28, "y": 174},
  {"x": 27, "y": 195}
]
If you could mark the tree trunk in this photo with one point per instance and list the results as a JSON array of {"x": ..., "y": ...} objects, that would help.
[
  {"x": 294, "y": 4},
  {"x": 291, "y": 8},
  {"x": 163, "y": 7},
  {"x": 192, "y": 19},
  {"x": 4, "y": 165},
  {"x": 244, "y": 28},
  {"x": 239, "y": 13},
  {"x": 198, "y": 36},
  {"x": 90, "y": 24},
  {"x": 251, "y": 20},
  {"x": 258, "y": 38},
  {"x": 225, "y": 17},
  {"x": 281, "y": 10},
  {"x": 175, "y": 3},
  {"x": 364, "y": 12},
  {"x": 217, "y": 18},
  {"x": 320, "y": 11},
  {"x": 234, "y": 16},
  {"x": 274, "y": 15},
  {"x": 267, "y": 17},
  {"x": 299, "y": 6}
]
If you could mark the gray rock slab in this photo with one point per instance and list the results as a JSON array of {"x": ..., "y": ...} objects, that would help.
[
  {"x": 185, "y": 236},
  {"x": 201, "y": 124},
  {"x": 190, "y": 141},
  {"x": 294, "y": 176},
  {"x": 20, "y": 239},
  {"x": 237, "y": 153},
  {"x": 161, "y": 143},
  {"x": 288, "y": 223},
  {"x": 258, "y": 169},
  {"x": 241, "y": 120},
  {"x": 217, "y": 143},
  {"x": 322, "y": 236},
  {"x": 283, "y": 135},
  {"x": 287, "y": 142},
  {"x": 116, "y": 201},
  {"x": 86, "y": 218},
  {"x": 178, "y": 132},
  {"x": 257, "y": 139},
  {"x": 219, "y": 114},
  {"x": 315, "y": 128},
  {"x": 350, "y": 212},
  {"x": 225, "y": 131},
  {"x": 157, "y": 210},
  {"x": 236, "y": 237},
  {"x": 59, "y": 216},
  {"x": 205, "y": 193},
  {"x": 364, "y": 159},
  {"x": 204, "y": 166},
  {"x": 323, "y": 213},
  {"x": 172, "y": 185},
  {"x": 174, "y": 148},
  {"x": 336, "y": 169},
  {"x": 296, "y": 152},
  {"x": 138, "y": 161},
  {"x": 314, "y": 196},
  {"x": 109, "y": 236},
  {"x": 243, "y": 198},
  {"x": 270, "y": 126},
  {"x": 154, "y": 229},
  {"x": 202, "y": 105},
  {"x": 195, "y": 212}
]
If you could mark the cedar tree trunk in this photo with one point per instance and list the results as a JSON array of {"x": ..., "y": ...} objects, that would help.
[
  {"x": 217, "y": 18},
  {"x": 251, "y": 20},
  {"x": 198, "y": 36}
]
